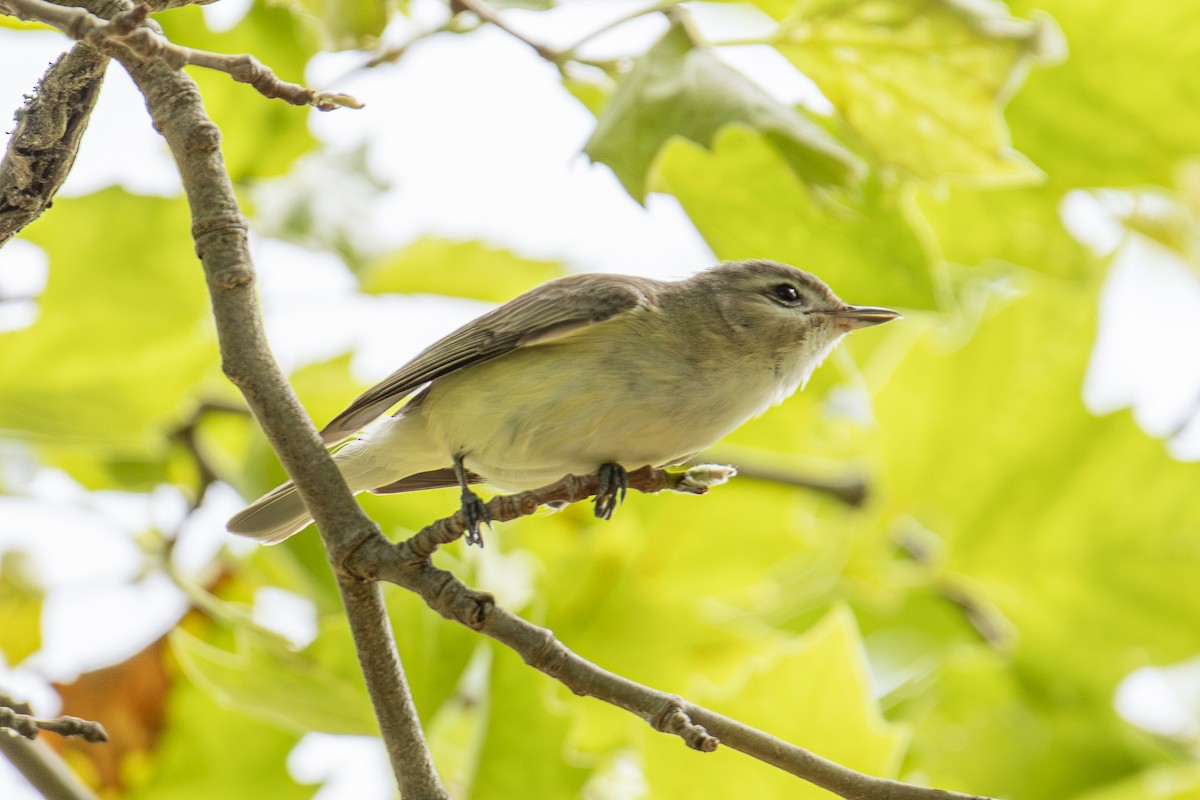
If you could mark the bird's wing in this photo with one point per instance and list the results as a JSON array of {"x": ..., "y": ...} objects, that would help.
[{"x": 543, "y": 314}]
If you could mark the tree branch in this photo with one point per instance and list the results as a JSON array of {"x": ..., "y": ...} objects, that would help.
[
  {"x": 220, "y": 235},
  {"x": 41, "y": 766},
  {"x": 29, "y": 726},
  {"x": 44, "y": 770},
  {"x": 851, "y": 490},
  {"x": 407, "y": 564},
  {"x": 50, "y": 127},
  {"x": 128, "y": 32},
  {"x": 571, "y": 489},
  {"x": 487, "y": 14}
]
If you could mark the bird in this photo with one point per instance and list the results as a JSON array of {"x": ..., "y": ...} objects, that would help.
[{"x": 590, "y": 373}]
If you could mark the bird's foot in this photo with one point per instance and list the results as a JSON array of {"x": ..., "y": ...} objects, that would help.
[
  {"x": 614, "y": 482},
  {"x": 474, "y": 510},
  {"x": 475, "y": 513}
]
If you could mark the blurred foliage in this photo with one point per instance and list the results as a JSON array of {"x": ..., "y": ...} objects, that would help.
[
  {"x": 21, "y": 602},
  {"x": 419, "y": 269},
  {"x": 967, "y": 627},
  {"x": 680, "y": 89}
]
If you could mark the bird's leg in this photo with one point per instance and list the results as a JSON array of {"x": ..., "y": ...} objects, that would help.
[
  {"x": 474, "y": 510},
  {"x": 614, "y": 481}
]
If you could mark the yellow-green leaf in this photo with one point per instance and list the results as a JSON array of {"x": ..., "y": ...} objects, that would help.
[
  {"x": 1120, "y": 110},
  {"x": 922, "y": 82},
  {"x": 21, "y": 600},
  {"x": 300, "y": 691},
  {"x": 460, "y": 269},
  {"x": 814, "y": 692},
  {"x": 123, "y": 334},
  {"x": 681, "y": 90},
  {"x": 1020, "y": 226},
  {"x": 746, "y": 203}
]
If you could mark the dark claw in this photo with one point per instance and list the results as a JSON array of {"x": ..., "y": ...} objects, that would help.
[
  {"x": 475, "y": 513},
  {"x": 613, "y": 484},
  {"x": 474, "y": 510}
]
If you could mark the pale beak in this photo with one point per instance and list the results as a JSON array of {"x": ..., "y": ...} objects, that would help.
[{"x": 854, "y": 317}]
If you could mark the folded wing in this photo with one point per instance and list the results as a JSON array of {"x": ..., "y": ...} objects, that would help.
[{"x": 541, "y": 315}]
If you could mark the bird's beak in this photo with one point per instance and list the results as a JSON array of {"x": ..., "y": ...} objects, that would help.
[{"x": 855, "y": 317}]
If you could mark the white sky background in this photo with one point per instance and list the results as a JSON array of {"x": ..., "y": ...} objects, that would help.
[{"x": 485, "y": 112}]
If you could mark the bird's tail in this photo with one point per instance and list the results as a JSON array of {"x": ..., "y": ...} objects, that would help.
[
  {"x": 273, "y": 517},
  {"x": 280, "y": 513}
]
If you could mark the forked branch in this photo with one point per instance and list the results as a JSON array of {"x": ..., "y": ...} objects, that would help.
[{"x": 130, "y": 32}]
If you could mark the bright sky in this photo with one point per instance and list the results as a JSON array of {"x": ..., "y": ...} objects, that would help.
[{"x": 477, "y": 140}]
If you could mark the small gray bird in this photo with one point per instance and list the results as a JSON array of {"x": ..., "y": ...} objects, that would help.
[{"x": 584, "y": 374}]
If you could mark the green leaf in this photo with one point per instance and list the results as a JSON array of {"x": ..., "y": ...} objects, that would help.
[
  {"x": 679, "y": 89},
  {"x": 1117, "y": 112},
  {"x": 779, "y": 9},
  {"x": 346, "y": 24},
  {"x": 592, "y": 91},
  {"x": 312, "y": 690},
  {"x": 210, "y": 750},
  {"x": 433, "y": 650},
  {"x": 1023, "y": 227},
  {"x": 1170, "y": 218},
  {"x": 1162, "y": 783},
  {"x": 984, "y": 729},
  {"x": 123, "y": 335},
  {"x": 259, "y": 137},
  {"x": 1078, "y": 529},
  {"x": 21, "y": 601},
  {"x": 519, "y": 694},
  {"x": 814, "y": 692},
  {"x": 746, "y": 203},
  {"x": 325, "y": 387},
  {"x": 539, "y": 5},
  {"x": 459, "y": 269},
  {"x": 922, "y": 82}
]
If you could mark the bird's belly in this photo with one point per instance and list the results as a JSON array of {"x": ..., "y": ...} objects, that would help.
[{"x": 523, "y": 423}]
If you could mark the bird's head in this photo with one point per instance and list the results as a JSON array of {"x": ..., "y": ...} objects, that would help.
[
  {"x": 767, "y": 295},
  {"x": 789, "y": 313}
]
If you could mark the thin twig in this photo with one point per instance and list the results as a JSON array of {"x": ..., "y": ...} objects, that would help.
[
  {"x": 21, "y": 720},
  {"x": 851, "y": 490},
  {"x": 407, "y": 564},
  {"x": 570, "y": 489},
  {"x": 489, "y": 15},
  {"x": 616, "y": 23},
  {"x": 185, "y": 436},
  {"x": 129, "y": 32}
]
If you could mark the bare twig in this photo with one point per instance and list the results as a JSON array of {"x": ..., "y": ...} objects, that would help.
[
  {"x": 16, "y": 705},
  {"x": 185, "y": 436},
  {"x": 220, "y": 235},
  {"x": 851, "y": 490},
  {"x": 128, "y": 32},
  {"x": 616, "y": 23},
  {"x": 29, "y": 726},
  {"x": 489, "y": 15},
  {"x": 407, "y": 564},
  {"x": 50, "y": 127},
  {"x": 570, "y": 489},
  {"x": 559, "y": 58}
]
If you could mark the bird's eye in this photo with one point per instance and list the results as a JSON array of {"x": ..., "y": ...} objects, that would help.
[{"x": 786, "y": 293}]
